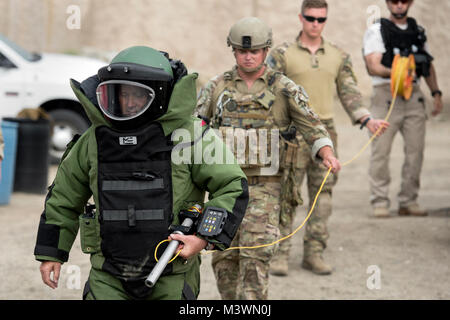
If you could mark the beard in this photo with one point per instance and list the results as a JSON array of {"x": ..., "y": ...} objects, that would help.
[{"x": 400, "y": 15}]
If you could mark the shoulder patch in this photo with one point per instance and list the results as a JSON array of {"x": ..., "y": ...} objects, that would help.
[
  {"x": 291, "y": 89},
  {"x": 302, "y": 91},
  {"x": 228, "y": 75}
]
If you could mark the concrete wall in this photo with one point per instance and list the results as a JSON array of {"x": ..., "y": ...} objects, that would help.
[{"x": 195, "y": 30}]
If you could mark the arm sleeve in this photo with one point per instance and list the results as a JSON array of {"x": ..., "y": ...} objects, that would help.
[
  {"x": 204, "y": 101},
  {"x": 373, "y": 41},
  {"x": 276, "y": 59},
  {"x": 65, "y": 201},
  {"x": 348, "y": 92},
  {"x": 226, "y": 184},
  {"x": 303, "y": 117}
]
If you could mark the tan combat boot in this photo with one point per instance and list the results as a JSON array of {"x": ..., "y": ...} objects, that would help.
[
  {"x": 316, "y": 264},
  {"x": 412, "y": 210},
  {"x": 279, "y": 266},
  {"x": 381, "y": 212}
]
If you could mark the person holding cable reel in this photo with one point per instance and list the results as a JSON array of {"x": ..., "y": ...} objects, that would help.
[{"x": 400, "y": 36}]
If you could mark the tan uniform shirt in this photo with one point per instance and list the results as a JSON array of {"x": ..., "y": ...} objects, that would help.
[{"x": 322, "y": 74}]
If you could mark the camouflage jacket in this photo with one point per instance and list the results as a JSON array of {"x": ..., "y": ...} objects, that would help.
[
  {"x": 226, "y": 96},
  {"x": 322, "y": 74}
]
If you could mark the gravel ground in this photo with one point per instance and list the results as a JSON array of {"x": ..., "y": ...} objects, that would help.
[{"x": 408, "y": 256}]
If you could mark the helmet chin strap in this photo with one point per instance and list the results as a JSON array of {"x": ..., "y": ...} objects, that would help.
[{"x": 252, "y": 70}]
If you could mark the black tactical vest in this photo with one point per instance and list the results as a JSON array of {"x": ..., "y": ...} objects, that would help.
[
  {"x": 135, "y": 201},
  {"x": 409, "y": 41}
]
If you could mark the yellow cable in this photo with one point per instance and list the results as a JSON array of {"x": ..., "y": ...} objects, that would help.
[
  {"x": 176, "y": 255},
  {"x": 398, "y": 77},
  {"x": 296, "y": 230},
  {"x": 156, "y": 250},
  {"x": 398, "y": 74},
  {"x": 394, "y": 98}
]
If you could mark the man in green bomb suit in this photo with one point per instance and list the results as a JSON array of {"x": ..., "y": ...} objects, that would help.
[{"x": 127, "y": 162}]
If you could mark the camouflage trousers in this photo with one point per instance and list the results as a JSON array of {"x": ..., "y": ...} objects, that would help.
[
  {"x": 316, "y": 231},
  {"x": 244, "y": 273}
]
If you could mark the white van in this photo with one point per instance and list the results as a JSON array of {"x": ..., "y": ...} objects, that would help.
[{"x": 31, "y": 80}]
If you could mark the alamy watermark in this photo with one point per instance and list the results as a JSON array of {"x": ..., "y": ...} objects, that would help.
[
  {"x": 374, "y": 13},
  {"x": 374, "y": 280},
  {"x": 74, "y": 277},
  {"x": 73, "y": 22},
  {"x": 259, "y": 147}
]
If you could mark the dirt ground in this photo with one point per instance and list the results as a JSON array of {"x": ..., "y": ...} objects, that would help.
[{"x": 409, "y": 256}]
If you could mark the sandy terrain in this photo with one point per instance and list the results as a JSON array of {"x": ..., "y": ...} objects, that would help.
[{"x": 411, "y": 256}]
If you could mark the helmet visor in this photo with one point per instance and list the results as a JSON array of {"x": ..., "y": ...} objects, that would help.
[{"x": 124, "y": 100}]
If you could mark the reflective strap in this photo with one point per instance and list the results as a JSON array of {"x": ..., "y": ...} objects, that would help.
[
  {"x": 118, "y": 185},
  {"x": 123, "y": 215}
]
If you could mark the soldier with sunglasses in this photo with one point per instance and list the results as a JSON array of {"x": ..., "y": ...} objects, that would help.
[
  {"x": 384, "y": 39},
  {"x": 322, "y": 69}
]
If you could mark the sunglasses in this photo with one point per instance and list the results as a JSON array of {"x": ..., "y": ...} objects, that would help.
[
  {"x": 397, "y": 1},
  {"x": 312, "y": 19}
]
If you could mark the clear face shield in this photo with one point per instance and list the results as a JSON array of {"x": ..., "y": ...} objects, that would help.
[{"x": 124, "y": 100}]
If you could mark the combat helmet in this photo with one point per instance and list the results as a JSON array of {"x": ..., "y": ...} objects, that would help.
[
  {"x": 135, "y": 87},
  {"x": 250, "y": 33}
]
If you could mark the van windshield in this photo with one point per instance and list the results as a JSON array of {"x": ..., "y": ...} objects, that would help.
[{"x": 30, "y": 56}]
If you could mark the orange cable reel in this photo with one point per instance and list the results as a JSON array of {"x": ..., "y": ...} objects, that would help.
[{"x": 403, "y": 71}]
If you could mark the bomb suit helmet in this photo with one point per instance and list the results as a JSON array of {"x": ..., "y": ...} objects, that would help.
[{"x": 135, "y": 87}]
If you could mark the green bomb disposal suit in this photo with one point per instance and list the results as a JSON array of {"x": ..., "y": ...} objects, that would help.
[{"x": 137, "y": 188}]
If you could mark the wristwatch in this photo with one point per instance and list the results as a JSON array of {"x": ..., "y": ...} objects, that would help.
[
  {"x": 435, "y": 92},
  {"x": 365, "y": 122}
]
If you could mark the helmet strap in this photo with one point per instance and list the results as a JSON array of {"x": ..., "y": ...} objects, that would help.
[{"x": 252, "y": 70}]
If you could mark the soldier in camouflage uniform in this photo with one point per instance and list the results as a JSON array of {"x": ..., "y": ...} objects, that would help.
[
  {"x": 249, "y": 97},
  {"x": 322, "y": 69}
]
